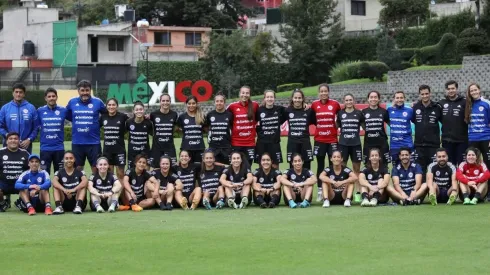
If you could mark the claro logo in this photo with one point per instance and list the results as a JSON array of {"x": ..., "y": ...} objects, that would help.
[{"x": 125, "y": 94}]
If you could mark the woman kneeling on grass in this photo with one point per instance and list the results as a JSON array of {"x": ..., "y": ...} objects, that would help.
[
  {"x": 298, "y": 183},
  {"x": 236, "y": 180},
  {"x": 141, "y": 191},
  {"x": 187, "y": 172},
  {"x": 168, "y": 182},
  {"x": 104, "y": 188},
  {"x": 473, "y": 176},
  {"x": 266, "y": 183},
  {"x": 337, "y": 182},
  {"x": 69, "y": 187},
  {"x": 213, "y": 193},
  {"x": 373, "y": 180}
]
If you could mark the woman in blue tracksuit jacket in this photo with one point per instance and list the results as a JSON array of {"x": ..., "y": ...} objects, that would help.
[
  {"x": 19, "y": 116},
  {"x": 477, "y": 115}
]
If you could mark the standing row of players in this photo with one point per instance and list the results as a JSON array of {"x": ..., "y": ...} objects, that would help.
[{"x": 247, "y": 119}]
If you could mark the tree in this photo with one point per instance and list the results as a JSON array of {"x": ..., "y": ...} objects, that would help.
[
  {"x": 387, "y": 52},
  {"x": 216, "y": 14},
  {"x": 93, "y": 12},
  {"x": 311, "y": 34},
  {"x": 403, "y": 13}
]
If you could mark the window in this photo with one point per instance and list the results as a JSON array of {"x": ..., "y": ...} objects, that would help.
[
  {"x": 192, "y": 39},
  {"x": 162, "y": 38},
  {"x": 116, "y": 44},
  {"x": 358, "y": 8}
]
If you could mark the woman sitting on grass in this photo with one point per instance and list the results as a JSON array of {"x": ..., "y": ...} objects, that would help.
[
  {"x": 266, "y": 183},
  {"x": 298, "y": 183},
  {"x": 141, "y": 190},
  {"x": 473, "y": 176},
  {"x": 337, "y": 182},
  {"x": 236, "y": 180},
  {"x": 167, "y": 182},
  {"x": 104, "y": 188},
  {"x": 374, "y": 179},
  {"x": 189, "y": 195},
  {"x": 213, "y": 193}
]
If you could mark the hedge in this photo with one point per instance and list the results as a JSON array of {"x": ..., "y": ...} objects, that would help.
[
  {"x": 35, "y": 97},
  {"x": 473, "y": 42},
  {"x": 289, "y": 87},
  {"x": 358, "y": 69},
  {"x": 356, "y": 48},
  {"x": 444, "y": 52}
]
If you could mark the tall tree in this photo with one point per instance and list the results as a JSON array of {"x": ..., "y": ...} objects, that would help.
[
  {"x": 403, "y": 13},
  {"x": 312, "y": 33},
  {"x": 202, "y": 13}
]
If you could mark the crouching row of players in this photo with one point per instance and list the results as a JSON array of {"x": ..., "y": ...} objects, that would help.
[{"x": 215, "y": 186}]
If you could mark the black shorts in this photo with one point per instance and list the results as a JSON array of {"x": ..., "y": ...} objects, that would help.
[
  {"x": 302, "y": 147},
  {"x": 384, "y": 151},
  {"x": 222, "y": 155},
  {"x": 267, "y": 198},
  {"x": 52, "y": 157},
  {"x": 337, "y": 199},
  {"x": 156, "y": 154},
  {"x": 8, "y": 189},
  {"x": 88, "y": 152},
  {"x": 105, "y": 203},
  {"x": 324, "y": 149},
  {"x": 247, "y": 151},
  {"x": 353, "y": 152},
  {"x": 116, "y": 159},
  {"x": 195, "y": 155},
  {"x": 69, "y": 205},
  {"x": 442, "y": 197},
  {"x": 274, "y": 149}
]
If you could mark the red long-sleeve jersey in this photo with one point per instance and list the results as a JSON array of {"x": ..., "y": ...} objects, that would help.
[
  {"x": 472, "y": 172},
  {"x": 324, "y": 118},
  {"x": 243, "y": 131}
]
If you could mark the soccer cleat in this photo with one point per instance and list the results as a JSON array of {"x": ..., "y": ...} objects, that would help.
[
  {"x": 326, "y": 204},
  {"x": 232, "y": 204},
  {"x": 305, "y": 204},
  {"x": 357, "y": 198},
  {"x": 319, "y": 195},
  {"x": 136, "y": 208},
  {"x": 365, "y": 202},
  {"x": 433, "y": 199},
  {"x": 243, "y": 203},
  {"x": 220, "y": 204},
  {"x": 474, "y": 201},
  {"x": 347, "y": 203},
  {"x": 100, "y": 209},
  {"x": 48, "y": 211},
  {"x": 78, "y": 210},
  {"x": 292, "y": 204},
  {"x": 59, "y": 210},
  {"x": 112, "y": 208},
  {"x": 3, "y": 206},
  {"x": 374, "y": 202},
  {"x": 184, "y": 204},
  {"x": 169, "y": 206},
  {"x": 272, "y": 205},
  {"x": 31, "y": 211},
  {"x": 206, "y": 203},
  {"x": 123, "y": 208},
  {"x": 467, "y": 201},
  {"x": 416, "y": 202},
  {"x": 451, "y": 200},
  {"x": 263, "y": 205}
]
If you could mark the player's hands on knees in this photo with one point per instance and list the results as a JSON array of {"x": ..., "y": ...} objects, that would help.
[{"x": 33, "y": 193}]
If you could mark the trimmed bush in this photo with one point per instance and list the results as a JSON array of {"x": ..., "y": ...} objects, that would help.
[
  {"x": 353, "y": 70},
  {"x": 473, "y": 42},
  {"x": 407, "y": 54},
  {"x": 35, "y": 97},
  {"x": 356, "y": 48},
  {"x": 289, "y": 87},
  {"x": 441, "y": 53}
]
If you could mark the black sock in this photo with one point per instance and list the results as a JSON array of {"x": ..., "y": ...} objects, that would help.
[
  {"x": 48, "y": 204},
  {"x": 131, "y": 202},
  {"x": 364, "y": 195},
  {"x": 478, "y": 195},
  {"x": 162, "y": 204},
  {"x": 57, "y": 203},
  {"x": 465, "y": 195},
  {"x": 275, "y": 199},
  {"x": 320, "y": 167},
  {"x": 376, "y": 195},
  {"x": 358, "y": 192},
  {"x": 28, "y": 205},
  {"x": 260, "y": 199},
  {"x": 79, "y": 203}
]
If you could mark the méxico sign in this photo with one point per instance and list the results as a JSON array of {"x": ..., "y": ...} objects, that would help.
[{"x": 151, "y": 93}]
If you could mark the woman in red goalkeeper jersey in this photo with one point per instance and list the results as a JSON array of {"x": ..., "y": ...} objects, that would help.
[
  {"x": 473, "y": 176},
  {"x": 243, "y": 132}
]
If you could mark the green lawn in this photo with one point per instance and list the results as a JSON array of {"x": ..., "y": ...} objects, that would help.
[
  {"x": 338, "y": 240},
  {"x": 437, "y": 67}
]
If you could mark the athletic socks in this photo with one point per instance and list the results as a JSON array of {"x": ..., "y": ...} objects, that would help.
[
  {"x": 114, "y": 202},
  {"x": 478, "y": 195},
  {"x": 376, "y": 195},
  {"x": 48, "y": 204},
  {"x": 96, "y": 203},
  {"x": 79, "y": 203},
  {"x": 222, "y": 199},
  {"x": 275, "y": 199},
  {"x": 364, "y": 195},
  {"x": 465, "y": 195},
  {"x": 131, "y": 202},
  {"x": 260, "y": 200},
  {"x": 57, "y": 203},
  {"x": 28, "y": 205}
]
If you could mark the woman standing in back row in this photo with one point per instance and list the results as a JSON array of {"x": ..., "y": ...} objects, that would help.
[
  {"x": 191, "y": 123},
  {"x": 375, "y": 136}
]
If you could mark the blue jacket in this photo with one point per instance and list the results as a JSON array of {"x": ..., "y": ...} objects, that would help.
[
  {"x": 85, "y": 120},
  {"x": 20, "y": 118},
  {"x": 400, "y": 127},
  {"x": 29, "y": 178},
  {"x": 479, "y": 126},
  {"x": 52, "y": 127}
]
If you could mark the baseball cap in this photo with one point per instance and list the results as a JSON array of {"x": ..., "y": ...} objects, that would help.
[{"x": 34, "y": 156}]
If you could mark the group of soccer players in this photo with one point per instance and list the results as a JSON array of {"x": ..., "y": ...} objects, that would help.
[{"x": 238, "y": 135}]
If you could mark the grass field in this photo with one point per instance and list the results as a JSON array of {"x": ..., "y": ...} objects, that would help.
[{"x": 338, "y": 240}]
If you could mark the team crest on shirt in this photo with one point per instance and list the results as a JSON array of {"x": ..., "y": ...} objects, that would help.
[
  {"x": 262, "y": 115},
  {"x": 57, "y": 112},
  {"x": 39, "y": 180},
  {"x": 291, "y": 115},
  {"x": 480, "y": 108},
  {"x": 293, "y": 176},
  {"x": 42, "y": 162},
  {"x": 238, "y": 109},
  {"x": 476, "y": 172},
  {"x": 332, "y": 177},
  {"x": 157, "y": 120},
  {"x": 178, "y": 173},
  {"x": 344, "y": 115},
  {"x": 186, "y": 121},
  {"x": 212, "y": 119},
  {"x": 99, "y": 181},
  {"x": 105, "y": 122},
  {"x": 404, "y": 113},
  {"x": 133, "y": 181},
  {"x": 261, "y": 180},
  {"x": 131, "y": 127},
  {"x": 370, "y": 177},
  {"x": 25, "y": 111},
  {"x": 91, "y": 105},
  {"x": 231, "y": 177},
  {"x": 418, "y": 112},
  {"x": 410, "y": 174},
  {"x": 446, "y": 105},
  {"x": 330, "y": 107},
  {"x": 5, "y": 157},
  {"x": 368, "y": 115},
  {"x": 202, "y": 176},
  {"x": 438, "y": 173},
  {"x": 64, "y": 179}
]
